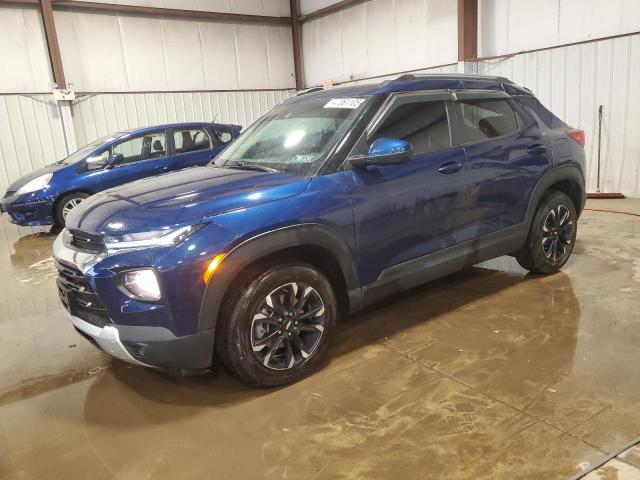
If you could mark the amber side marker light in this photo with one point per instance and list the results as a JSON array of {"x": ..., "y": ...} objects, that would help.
[{"x": 213, "y": 266}]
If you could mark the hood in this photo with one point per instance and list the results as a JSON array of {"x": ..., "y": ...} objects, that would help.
[
  {"x": 35, "y": 174},
  {"x": 180, "y": 198}
]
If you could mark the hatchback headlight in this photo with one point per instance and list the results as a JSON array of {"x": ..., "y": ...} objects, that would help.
[
  {"x": 142, "y": 284},
  {"x": 155, "y": 238},
  {"x": 36, "y": 184}
]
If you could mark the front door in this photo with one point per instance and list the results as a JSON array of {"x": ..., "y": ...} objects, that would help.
[
  {"x": 143, "y": 156},
  {"x": 403, "y": 212}
]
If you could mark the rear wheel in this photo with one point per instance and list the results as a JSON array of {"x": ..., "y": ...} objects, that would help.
[
  {"x": 66, "y": 204},
  {"x": 276, "y": 327},
  {"x": 552, "y": 235}
]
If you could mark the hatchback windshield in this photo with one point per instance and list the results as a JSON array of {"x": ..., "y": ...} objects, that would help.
[
  {"x": 294, "y": 138},
  {"x": 87, "y": 149}
]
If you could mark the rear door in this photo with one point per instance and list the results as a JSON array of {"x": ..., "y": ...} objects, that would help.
[
  {"x": 506, "y": 156},
  {"x": 144, "y": 155},
  {"x": 408, "y": 210},
  {"x": 192, "y": 146}
]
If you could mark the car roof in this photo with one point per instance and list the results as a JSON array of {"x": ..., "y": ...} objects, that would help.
[
  {"x": 410, "y": 82},
  {"x": 163, "y": 126}
]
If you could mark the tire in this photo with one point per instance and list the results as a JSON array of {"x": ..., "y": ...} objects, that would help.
[
  {"x": 554, "y": 221},
  {"x": 256, "y": 322},
  {"x": 60, "y": 213}
]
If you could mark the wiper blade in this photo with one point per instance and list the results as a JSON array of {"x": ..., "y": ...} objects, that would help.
[{"x": 257, "y": 168}]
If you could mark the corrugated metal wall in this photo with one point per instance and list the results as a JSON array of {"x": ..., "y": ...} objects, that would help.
[
  {"x": 24, "y": 60},
  {"x": 276, "y": 8},
  {"x": 509, "y": 26},
  {"x": 377, "y": 37},
  {"x": 95, "y": 116},
  {"x": 572, "y": 82},
  {"x": 135, "y": 53},
  {"x": 31, "y": 135},
  {"x": 452, "y": 68}
]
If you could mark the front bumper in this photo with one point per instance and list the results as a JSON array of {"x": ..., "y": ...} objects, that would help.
[
  {"x": 136, "y": 342},
  {"x": 30, "y": 213},
  {"x": 154, "y": 347},
  {"x": 106, "y": 338}
]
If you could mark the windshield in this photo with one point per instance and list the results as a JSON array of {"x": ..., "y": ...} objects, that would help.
[
  {"x": 87, "y": 149},
  {"x": 294, "y": 138}
]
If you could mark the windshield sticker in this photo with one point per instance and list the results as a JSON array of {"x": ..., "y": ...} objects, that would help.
[{"x": 351, "y": 103}]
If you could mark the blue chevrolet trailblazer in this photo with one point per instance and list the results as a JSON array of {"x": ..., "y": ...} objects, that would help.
[
  {"x": 46, "y": 196},
  {"x": 331, "y": 201}
]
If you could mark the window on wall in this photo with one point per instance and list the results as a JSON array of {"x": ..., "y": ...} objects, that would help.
[
  {"x": 483, "y": 119},
  {"x": 423, "y": 123},
  {"x": 191, "y": 140},
  {"x": 143, "y": 147}
]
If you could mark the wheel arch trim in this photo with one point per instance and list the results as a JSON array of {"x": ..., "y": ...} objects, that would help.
[
  {"x": 259, "y": 246},
  {"x": 569, "y": 172}
]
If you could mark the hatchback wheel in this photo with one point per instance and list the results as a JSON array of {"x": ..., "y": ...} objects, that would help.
[
  {"x": 277, "y": 327},
  {"x": 66, "y": 204},
  {"x": 552, "y": 235}
]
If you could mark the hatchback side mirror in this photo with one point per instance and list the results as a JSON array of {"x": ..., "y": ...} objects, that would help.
[
  {"x": 384, "y": 151},
  {"x": 116, "y": 159}
]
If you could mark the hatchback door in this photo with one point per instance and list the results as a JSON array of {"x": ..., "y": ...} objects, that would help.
[
  {"x": 191, "y": 147},
  {"x": 143, "y": 155},
  {"x": 405, "y": 211},
  {"x": 506, "y": 156}
]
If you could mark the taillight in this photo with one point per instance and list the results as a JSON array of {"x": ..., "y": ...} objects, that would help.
[{"x": 577, "y": 136}]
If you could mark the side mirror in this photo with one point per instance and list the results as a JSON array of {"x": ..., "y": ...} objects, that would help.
[
  {"x": 97, "y": 162},
  {"x": 116, "y": 159},
  {"x": 384, "y": 151}
]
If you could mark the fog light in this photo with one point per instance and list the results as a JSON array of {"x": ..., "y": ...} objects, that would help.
[{"x": 142, "y": 284}]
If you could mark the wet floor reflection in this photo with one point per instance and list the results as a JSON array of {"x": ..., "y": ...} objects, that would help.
[{"x": 489, "y": 373}]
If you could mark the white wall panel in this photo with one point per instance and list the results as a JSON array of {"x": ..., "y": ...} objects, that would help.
[
  {"x": 308, "y": 6},
  {"x": 276, "y": 8},
  {"x": 572, "y": 82},
  {"x": 437, "y": 70},
  {"x": 31, "y": 135},
  {"x": 510, "y": 26},
  {"x": 151, "y": 54},
  {"x": 95, "y": 116},
  {"x": 377, "y": 37},
  {"x": 24, "y": 61}
]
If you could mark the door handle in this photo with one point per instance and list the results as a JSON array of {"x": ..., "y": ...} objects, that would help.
[
  {"x": 536, "y": 149},
  {"x": 449, "y": 168}
]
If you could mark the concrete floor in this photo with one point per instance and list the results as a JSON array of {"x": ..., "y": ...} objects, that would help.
[{"x": 489, "y": 373}]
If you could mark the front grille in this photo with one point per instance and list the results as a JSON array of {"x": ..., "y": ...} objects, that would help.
[
  {"x": 87, "y": 242},
  {"x": 78, "y": 297}
]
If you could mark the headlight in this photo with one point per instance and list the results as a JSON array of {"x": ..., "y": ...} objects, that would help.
[
  {"x": 142, "y": 284},
  {"x": 36, "y": 184},
  {"x": 153, "y": 238}
]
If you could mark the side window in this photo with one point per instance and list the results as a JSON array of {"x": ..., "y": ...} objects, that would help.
[
  {"x": 191, "y": 140},
  {"x": 423, "y": 123},
  {"x": 224, "y": 136},
  {"x": 143, "y": 147},
  {"x": 483, "y": 119}
]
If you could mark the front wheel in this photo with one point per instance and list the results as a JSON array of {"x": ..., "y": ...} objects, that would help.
[
  {"x": 552, "y": 235},
  {"x": 66, "y": 204},
  {"x": 277, "y": 326}
]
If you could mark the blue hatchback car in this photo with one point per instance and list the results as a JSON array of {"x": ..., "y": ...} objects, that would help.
[
  {"x": 330, "y": 202},
  {"x": 46, "y": 196}
]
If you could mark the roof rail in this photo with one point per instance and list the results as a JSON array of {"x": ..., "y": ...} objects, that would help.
[
  {"x": 425, "y": 76},
  {"x": 309, "y": 90}
]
